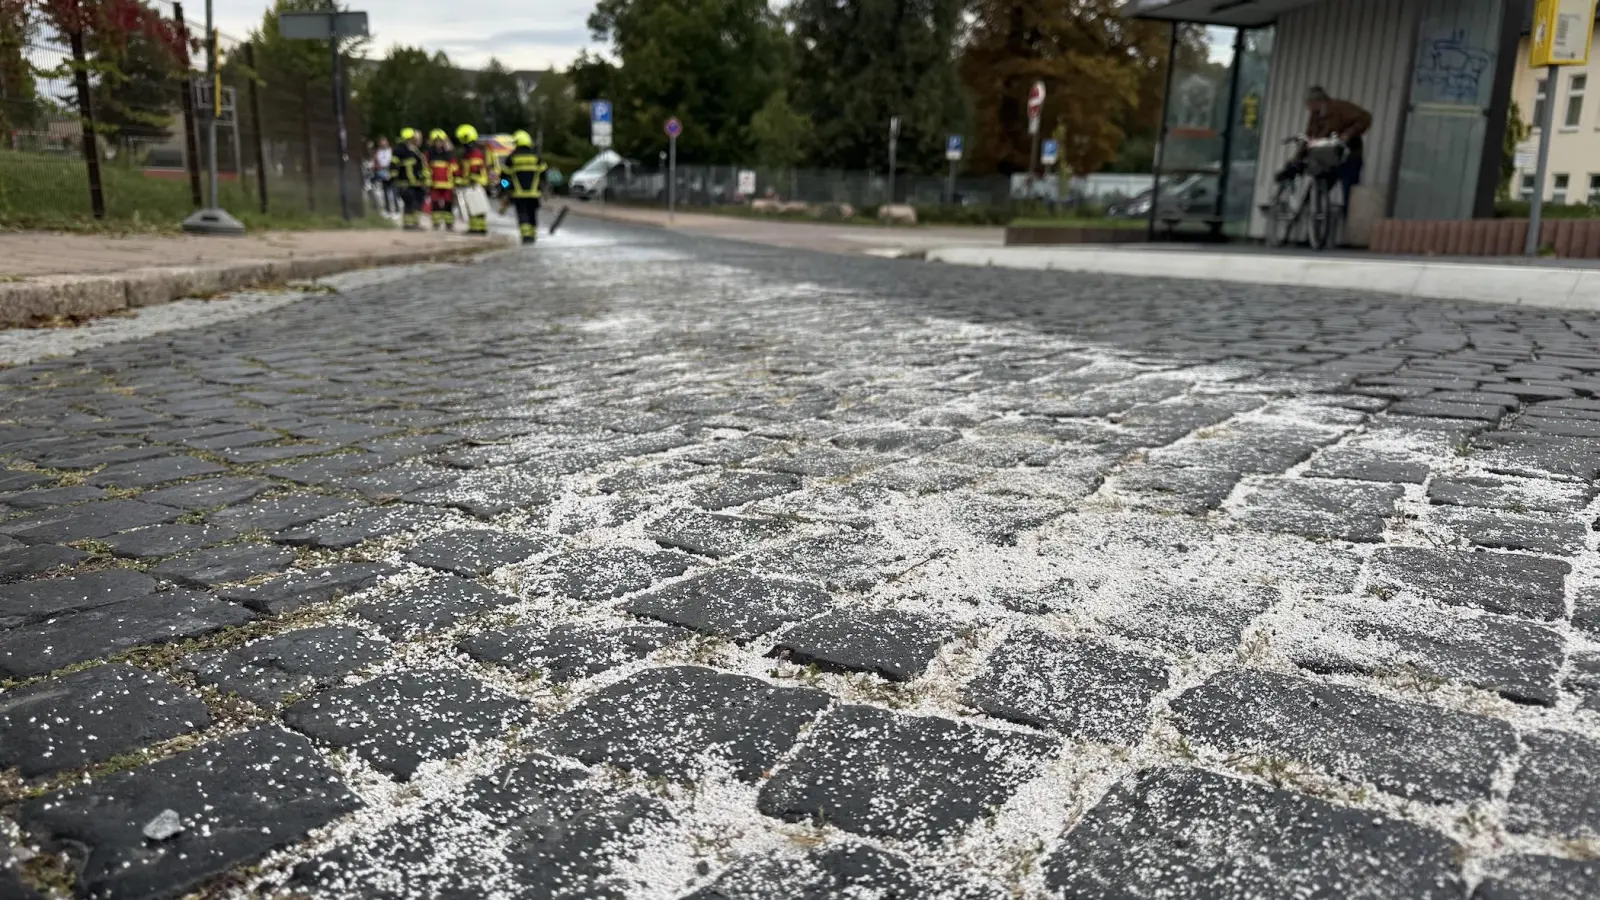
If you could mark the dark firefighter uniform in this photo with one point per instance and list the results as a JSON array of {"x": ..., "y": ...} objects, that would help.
[
  {"x": 524, "y": 177},
  {"x": 408, "y": 168},
  {"x": 472, "y": 179},
  {"x": 441, "y": 181}
]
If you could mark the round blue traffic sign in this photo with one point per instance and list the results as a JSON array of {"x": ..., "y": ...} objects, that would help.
[{"x": 674, "y": 127}]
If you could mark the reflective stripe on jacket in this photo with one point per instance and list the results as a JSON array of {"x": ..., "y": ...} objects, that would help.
[
  {"x": 525, "y": 171},
  {"x": 442, "y": 173}
]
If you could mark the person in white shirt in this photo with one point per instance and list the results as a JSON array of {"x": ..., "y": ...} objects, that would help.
[{"x": 380, "y": 166}]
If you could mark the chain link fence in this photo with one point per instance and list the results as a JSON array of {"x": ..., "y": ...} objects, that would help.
[{"x": 104, "y": 122}]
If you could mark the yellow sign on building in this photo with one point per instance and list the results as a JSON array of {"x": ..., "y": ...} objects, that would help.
[{"x": 1562, "y": 30}]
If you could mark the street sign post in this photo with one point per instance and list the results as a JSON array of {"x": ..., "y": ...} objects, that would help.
[
  {"x": 673, "y": 128},
  {"x": 213, "y": 219},
  {"x": 952, "y": 154},
  {"x": 747, "y": 182},
  {"x": 1562, "y": 30},
  {"x": 1049, "y": 152},
  {"x": 1035, "y": 112},
  {"x": 331, "y": 27},
  {"x": 894, "y": 139},
  {"x": 600, "y": 123}
]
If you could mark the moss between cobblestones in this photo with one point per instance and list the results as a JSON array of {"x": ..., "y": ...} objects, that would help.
[{"x": 50, "y": 875}]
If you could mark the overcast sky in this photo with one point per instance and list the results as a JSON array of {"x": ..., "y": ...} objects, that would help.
[{"x": 524, "y": 34}]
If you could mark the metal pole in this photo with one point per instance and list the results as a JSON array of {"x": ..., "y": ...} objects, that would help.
[
  {"x": 191, "y": 137},
  {"x": 1227, "y": 131},
  {"x": 893, "y": 134},
  {"x": 255, "y": 123},
  {"x": 1536, "y": 208},
  {"x": 950, "y": 186},
  {"x": 672, "y": 177},
  {"x": 216, "y": 102},
  {"x": 1161, "y": 134},
  {"x": 338, "y": 116}
]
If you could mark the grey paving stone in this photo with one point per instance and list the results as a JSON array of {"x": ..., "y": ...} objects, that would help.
[
  {"x": 477, "y": 551},
  {"x": 1080, "y": 687},
  {"x": 598, "y": 575},
  {"x": 270, "y": 671},
  {"x": 913, "y": 778},
  {"x": 549, "y": 833},
  {"x": 87, "y": 521},
  {"x": 64, "y": 640},
  {"x": 891, "y": 644},
  {"x": 821, "y": 462},
  {"x": 713, "y": 534},
  {"x": 1517, "y": 659},
  {"x": 91, "y": 716},
  {"x": 1540, "y": 878},
  {"x": 1370, "y": 464},
  {"x": 149, "y": 472},
  {"x": 238, "y": 799},
  {"x": 1409, "y": 749},
  {"x": 13, "y": 888},
  {"x": 51, "y": 497},
  {"x": 1166, "y": 834},
  {"x": 398, "y": 722},
  {"x": 1549, "y": 533},
  {"x": 280, "y": 513},
  {"x": 396, "y": 481},
  {"x": 326, "y": 470},
  {"x": 11, "y": 481},
  {"x": 429, "y": 606},
  {"x": 1190, "y": 490},
  {"x": 209, "y": 493},
  {"x": 489, "y": 492},
  {"x": 345, "y": 530},
  {"x": 161, "y": 541},
  {"x": 1512, "y": 496},
  {"x": 840, "y": 870},
  {"x": 675, "y": 721},
  {"x": 1333, "y": 509},
  {"x": 79, "y": 454},
  {"x": 734, "y": 488},
  {"x": 895, "y": 439},
  {"x": 851, "y": 561},
  {"x": 568, "y": 652},
  {"x": 304, "y": 587},
  {"x": 28, "y": 602},
  {"x": 735, "y": 603},
  {"x": 1446, "y": 409},
  {"x": 1258, "y": 448},
  {"x": 1188, "y": 618},
  {"x": 1509, "y": 583},
  {"x": 1557, "y": 791},
  {"x": 245, "y": 456},
  {"x": 225, "y": 565},
  {"x": 37, "y": 559},
  {"x": 1537, "y": 456},
  {"x": 232, "y": 440}
]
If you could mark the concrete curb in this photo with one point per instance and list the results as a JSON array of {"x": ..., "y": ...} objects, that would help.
[
  {"x": 45, "y": 296},
  {"x": 1532, "y": 285}
]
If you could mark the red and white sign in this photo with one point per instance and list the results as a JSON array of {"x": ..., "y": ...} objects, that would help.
[{"x": 1035, "y": 106}]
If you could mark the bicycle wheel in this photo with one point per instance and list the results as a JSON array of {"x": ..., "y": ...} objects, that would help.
[
  {"x": 1281, "y": 215},
  {"x": 1320, "y": 213}
]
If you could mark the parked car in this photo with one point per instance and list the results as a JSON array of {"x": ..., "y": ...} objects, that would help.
[{"x": 592, "y": 179}]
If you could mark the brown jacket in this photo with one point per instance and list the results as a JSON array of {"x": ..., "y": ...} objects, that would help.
[{"x": 1342, "y": 118}]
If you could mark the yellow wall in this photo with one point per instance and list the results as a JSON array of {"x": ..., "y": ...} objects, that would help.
[{"x": 1574, "y": 151}]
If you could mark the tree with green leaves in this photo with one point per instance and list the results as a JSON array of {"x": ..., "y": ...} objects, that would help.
[
  {"x": 134, "y": 99},
  {"x": 500, "y": 103},
  {"x": 859, "y": 63},
  {"x": 410, "y": 88},
  {"x": 558, "y": 117},
  {"x": 710, "y": 63},
  {"x": 1103, "y": 75},
  {"x": 782, "y": 135}
]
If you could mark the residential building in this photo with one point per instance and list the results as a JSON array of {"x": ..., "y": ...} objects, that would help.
[{"x": 1573, "y": 175}]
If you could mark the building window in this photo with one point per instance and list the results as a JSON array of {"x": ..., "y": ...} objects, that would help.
[
  {"x": 1539, "y": 99},
  {"x": 1527, "y": 188},
  {"x": 1559, "y": 195},
  {"x": 1594, "y": 190},
  {"x": 1575, "y": 89}
]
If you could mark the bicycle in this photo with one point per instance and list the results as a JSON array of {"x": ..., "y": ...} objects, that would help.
[{"x": 1304, "y": 198}]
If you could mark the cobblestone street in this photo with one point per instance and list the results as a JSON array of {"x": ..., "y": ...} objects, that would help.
[{"x": 657, "y": 567}]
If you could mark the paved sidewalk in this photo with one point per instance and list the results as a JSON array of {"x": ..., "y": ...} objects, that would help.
[
  {"x": 46, "y": 276},
  {"x": 1551, "y": 283},
  {"x": 821, "y": 236}
]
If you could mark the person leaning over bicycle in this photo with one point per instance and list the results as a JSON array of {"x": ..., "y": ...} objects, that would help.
[{"x": 1333, "y": 118}]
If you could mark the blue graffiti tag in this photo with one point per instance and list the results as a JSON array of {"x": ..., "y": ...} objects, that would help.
[{"x": 1450, "y": 70}]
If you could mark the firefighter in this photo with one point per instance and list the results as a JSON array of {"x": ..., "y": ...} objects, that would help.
[
  {"x": 408, "y": 171},
  {"x": 472, "y": 180},
  {"x": 441, "y": 180},
  {"x": 525, "y": 173}
]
